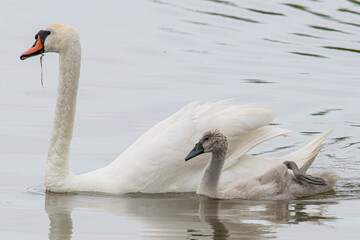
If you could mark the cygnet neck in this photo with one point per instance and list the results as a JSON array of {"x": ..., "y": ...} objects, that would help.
[{"x": 211, "y": 176}]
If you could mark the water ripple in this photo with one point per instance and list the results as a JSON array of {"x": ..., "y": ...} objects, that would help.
[
  {"x": 229, "y": 16},
  {"x": 305, "y": 9},
  {"x": 321, "y": 113},
  {"x": 348, "y": 11},
  {"x": 343, "y": 49},
  {"x": 351, "y": 144},
  {"x": 310, "y": 133},
  {"x": 327, "y": 29},
  {"x": 308, "y": 54},
  {"x": 266, "y": 12},
  {"x": 352, "y": 124},
  {"x": 276, "y": 41},
  {"x": 257, "y": 81},
  {"x": 340, "y": 139},
  {"x": 322, "y": 15},
  {"x": 306, "y": 35},
  {"x": 223, "y": 2},
  {"x": 354, "y": 2}
]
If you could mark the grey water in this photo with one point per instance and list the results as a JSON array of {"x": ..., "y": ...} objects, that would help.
[{"x": 142, "y": 61}]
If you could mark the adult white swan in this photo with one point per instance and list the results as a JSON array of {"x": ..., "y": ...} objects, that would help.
[{"x": 154, "y": 163}]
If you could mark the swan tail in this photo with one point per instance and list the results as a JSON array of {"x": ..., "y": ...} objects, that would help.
[
  {"x": 248, "y": 166},
  {"x": 305, "y": 156}
]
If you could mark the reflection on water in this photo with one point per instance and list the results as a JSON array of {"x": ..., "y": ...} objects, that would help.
[
  {"x": 179, "y": 216},
  {"x": 209, "y": 213}
]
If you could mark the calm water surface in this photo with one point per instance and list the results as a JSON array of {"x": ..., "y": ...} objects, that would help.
[{"x": 143, "y": 60}]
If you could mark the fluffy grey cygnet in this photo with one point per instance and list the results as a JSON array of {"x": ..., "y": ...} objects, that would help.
[{"x": 276, "y": 184}]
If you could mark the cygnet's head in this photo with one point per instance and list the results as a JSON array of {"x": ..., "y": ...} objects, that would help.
[
  {"x": 54, "y": 38},
  {"x": 211, "y": 141}
]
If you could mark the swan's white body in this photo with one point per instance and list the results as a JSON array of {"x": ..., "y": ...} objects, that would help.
[{"x": 155, "y": 162}]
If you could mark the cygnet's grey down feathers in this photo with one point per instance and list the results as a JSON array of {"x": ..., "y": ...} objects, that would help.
[{"x": 277, "y": 183}]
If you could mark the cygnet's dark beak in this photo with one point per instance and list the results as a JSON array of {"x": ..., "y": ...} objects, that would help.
[{"x": 197, "y": 150}]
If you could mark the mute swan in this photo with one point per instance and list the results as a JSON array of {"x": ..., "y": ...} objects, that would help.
[
  {"x": 276, "y": 184},
  {"x": 153, "y": 163}
]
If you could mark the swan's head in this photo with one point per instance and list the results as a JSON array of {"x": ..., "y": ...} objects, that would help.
[
  {"x": 56, "y": 37},
  {"x": 211, "y": 141}
]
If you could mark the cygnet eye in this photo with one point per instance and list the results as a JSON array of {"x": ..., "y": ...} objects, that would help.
[{"x": 205, "y": 139}]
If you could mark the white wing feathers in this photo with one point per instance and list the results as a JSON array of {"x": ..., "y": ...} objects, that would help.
[{"x": 155, "y": 162}]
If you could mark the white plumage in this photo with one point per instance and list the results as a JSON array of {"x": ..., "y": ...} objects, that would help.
[{"x": 155, "y": 162}]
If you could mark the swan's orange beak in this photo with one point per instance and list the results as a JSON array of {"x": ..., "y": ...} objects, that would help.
[{"x": 36, "y": 49}]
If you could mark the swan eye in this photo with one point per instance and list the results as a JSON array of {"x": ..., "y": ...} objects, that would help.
[{"x": 205, "y": 139}]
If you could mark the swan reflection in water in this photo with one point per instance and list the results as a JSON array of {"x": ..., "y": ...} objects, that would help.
[{"x": 179, "y": 216}]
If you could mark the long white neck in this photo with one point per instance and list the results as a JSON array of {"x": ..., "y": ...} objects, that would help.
[
  {"x": 57, "y": 165},
  {"x": 210, "y": 180}
]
